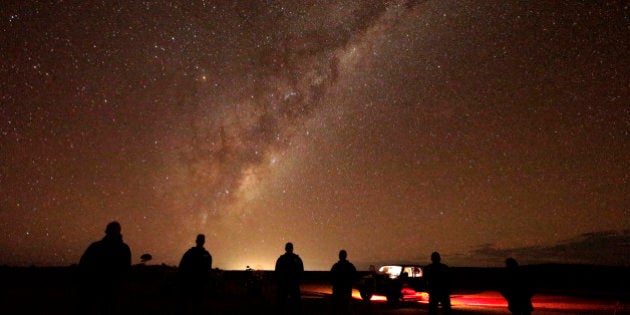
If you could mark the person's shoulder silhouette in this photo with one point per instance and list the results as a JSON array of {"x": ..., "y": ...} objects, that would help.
[
  {"x": 197, "y": 260},
  {"x": 436, "y": 272},
  {"x": 289, "y": 265},
  {"x": 103, "y": 266},
  {"x": 343, "y": 267},
  {"x": 343, "y": 273},
  {"x": 108, "y": 257},
  {"x": 288, "y": 271},
  {"x": 438, "y": 284},
  {"x": 194, "y": 274}
]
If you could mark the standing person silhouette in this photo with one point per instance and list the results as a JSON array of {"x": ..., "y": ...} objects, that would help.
[
  {"x": 438, "y": 284},
  {"x": 517, "y": 289},
  {"x": 103, "y": 266},
  {"x": 343, "y": 275},
  {"x": 289, "y": 269},
  {"x": 194, "y": 274}
]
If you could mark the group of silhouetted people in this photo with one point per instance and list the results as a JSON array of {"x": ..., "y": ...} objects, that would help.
[
  {"x": 106, "y": 262},
  {"x": 288, "y": 271}
]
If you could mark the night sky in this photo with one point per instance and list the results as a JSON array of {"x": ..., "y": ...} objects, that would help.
[{"x": 391, "y": 129}]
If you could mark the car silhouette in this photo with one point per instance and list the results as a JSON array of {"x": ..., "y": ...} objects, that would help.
[{"x": 395, "y": 282}]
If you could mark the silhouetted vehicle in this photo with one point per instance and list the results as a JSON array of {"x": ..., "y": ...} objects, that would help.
[{"x": 395, "y": 282}]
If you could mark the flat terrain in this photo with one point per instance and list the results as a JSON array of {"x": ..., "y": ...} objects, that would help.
[{"x": 153, "y": 290}]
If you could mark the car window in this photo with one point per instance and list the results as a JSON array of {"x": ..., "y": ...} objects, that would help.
[
  {"x": 413, "y": 271},
  {"x": 392, "y": 271}
]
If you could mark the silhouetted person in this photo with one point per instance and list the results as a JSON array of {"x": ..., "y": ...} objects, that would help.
[
  {"x": 343, "y": 275},
  {"x": 517, "y": 289},
  {"x": 438, "y": 285},
  {"x": 289, "y": 269},
  {"x": 103, "y": 266},
  {"x": 194, "y": 273}
]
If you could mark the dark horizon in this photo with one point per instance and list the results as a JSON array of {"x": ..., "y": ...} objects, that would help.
[
  {"x": 584, "y": 250},
  {"x": 360, "y": 269}
]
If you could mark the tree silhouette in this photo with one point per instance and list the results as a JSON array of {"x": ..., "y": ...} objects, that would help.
[{"x": 145, "y": 257}]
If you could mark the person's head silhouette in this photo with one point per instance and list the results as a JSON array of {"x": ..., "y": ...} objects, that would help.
[
  {"x": 511, "y": 263},
  {"x": 343, "y": 254},
  {"x": 289, "y": 247},
  {"x": 201, "y": 239},
  {"x": 435, "y": 257},
  {"x": 113, "y": 229}
]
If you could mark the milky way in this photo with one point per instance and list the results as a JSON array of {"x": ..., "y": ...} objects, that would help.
[{"x": 391, "y": 129}]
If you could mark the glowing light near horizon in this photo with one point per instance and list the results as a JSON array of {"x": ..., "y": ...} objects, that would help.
[{"x": 408, "y": 295}]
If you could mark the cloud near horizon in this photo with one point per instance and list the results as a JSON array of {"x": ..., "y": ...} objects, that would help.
[{"x": 586, "y": 248}]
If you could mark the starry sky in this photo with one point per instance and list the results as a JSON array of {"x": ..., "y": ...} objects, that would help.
[{"x": 392, "y": 129}]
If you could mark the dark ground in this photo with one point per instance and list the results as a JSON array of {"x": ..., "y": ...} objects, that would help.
[{"x": 153, "y": 290}]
